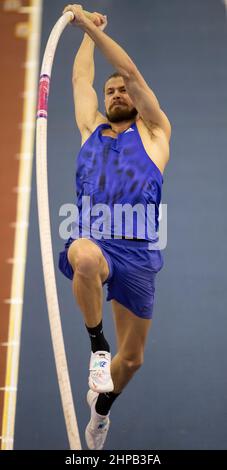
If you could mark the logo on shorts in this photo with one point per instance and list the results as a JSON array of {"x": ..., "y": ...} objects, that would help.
[{"x": 145, "y": 308}]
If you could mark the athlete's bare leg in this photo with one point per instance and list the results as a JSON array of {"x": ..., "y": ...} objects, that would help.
[
  {"x": 131, "y": 332},
  {"x": 90, "y": 271}
]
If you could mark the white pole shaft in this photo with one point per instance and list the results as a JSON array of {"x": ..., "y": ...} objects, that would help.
[{"x": 45, "y": 235}]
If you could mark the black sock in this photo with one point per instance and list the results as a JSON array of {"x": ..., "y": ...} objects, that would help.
[
  {"x": 104, "y": 402},
  {"x": 98, "y": 341}
]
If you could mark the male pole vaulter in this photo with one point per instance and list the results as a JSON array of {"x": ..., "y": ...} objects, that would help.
[{"x": 121, "y": 161}]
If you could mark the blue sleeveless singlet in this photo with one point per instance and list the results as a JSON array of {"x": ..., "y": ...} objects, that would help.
[{"x": 116, "y": 171}]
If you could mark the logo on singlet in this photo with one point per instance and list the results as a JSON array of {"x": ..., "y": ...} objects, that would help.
[{"x": 129, "y": 130}]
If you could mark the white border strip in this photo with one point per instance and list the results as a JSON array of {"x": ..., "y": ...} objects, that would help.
[{"x": 21, "y": 233}]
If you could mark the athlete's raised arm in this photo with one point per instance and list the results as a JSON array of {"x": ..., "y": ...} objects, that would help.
[
  {"x": 87, "y": 114},
  {"x": 140, "y": 93}
]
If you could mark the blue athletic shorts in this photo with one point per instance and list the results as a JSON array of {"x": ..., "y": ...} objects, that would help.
[{"x": 132, "y": 272}]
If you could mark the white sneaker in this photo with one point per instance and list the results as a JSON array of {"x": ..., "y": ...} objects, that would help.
[
  {"x": 98, "y": 426},
  {"x": 100, "y": 378}
]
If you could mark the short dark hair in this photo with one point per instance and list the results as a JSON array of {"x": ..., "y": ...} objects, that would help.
[{"x": 115, "y": 74}]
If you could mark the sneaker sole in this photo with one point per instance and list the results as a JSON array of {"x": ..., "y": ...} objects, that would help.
[
  {"x": 87, "y": 438},
  {"x": 91, "y": 396},
  {"x": 98, "y": 389}
]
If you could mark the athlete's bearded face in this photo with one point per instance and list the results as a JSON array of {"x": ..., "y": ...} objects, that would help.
[{"x": 119, "y": 106}]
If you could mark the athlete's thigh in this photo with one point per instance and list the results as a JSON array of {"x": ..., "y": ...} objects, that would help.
[
  {"x": 131, "y": 330},
  {"x": 86, "y": 247}
]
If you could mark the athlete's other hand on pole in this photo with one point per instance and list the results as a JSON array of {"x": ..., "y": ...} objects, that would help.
[{"x": 80, "y": 19}]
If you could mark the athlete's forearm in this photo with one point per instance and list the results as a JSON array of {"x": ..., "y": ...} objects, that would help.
[
  {"x": 84, "y": 61},
  {"x": 114, "y": 53}
]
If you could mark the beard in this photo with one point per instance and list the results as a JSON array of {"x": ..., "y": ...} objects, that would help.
[{"x": 121, "y": 113}]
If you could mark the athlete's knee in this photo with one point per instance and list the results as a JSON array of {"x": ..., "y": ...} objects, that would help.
[
  {"x": 87, "y": 265},
  {"x": 132, "y": 362},
  {"x": 84, "y": 258}
]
